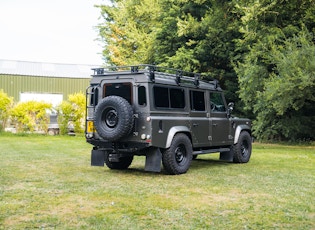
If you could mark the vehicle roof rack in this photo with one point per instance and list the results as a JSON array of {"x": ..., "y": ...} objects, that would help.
[{"x": 152, "y": 69}]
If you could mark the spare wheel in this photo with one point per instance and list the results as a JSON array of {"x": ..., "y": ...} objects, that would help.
[{"x": 113, "y": 118}]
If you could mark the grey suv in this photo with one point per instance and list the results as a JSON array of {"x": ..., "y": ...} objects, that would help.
[{"x": 166, "y": 115}]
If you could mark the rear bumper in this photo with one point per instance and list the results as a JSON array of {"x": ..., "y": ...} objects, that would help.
[{"x": 129, "y": 147}]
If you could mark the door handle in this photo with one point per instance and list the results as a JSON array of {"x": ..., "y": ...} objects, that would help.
[
  {"x": 214, "y": 125},
  {"x": 195, "y": 124}
]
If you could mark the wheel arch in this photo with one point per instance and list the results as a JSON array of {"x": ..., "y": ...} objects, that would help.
[
  {"x": 238, "y": 131},
  {"x": 173, "y": 131}
]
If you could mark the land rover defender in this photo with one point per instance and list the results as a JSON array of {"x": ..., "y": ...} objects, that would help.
[{"x": 167, "y": 115}]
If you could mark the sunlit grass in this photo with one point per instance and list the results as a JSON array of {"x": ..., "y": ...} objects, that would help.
[{"x": 47, "y": 182}]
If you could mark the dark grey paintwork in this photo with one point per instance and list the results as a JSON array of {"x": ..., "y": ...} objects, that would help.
[{"x": 208, "y": 130}]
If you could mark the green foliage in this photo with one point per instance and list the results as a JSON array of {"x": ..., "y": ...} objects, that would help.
[
  {"x": 72, "y": 112},
  {"x": 276, "y": 71},
  {"x": 6, "y": 104},
  {"x": 294, "y": 81},
  {"x": 129, "y": 31},
  {"x": 64, "y": 116},
  {"x": 190, "y": 35},
  {"x": 200, "y": 34},
  {"x": 289, "y": 91},
  {"x": 31, "y": 116},
  {"x": 261, "y": 51}
]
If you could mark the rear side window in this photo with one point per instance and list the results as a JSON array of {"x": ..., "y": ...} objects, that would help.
[
  {"x": 197, "y": 101},
  {"x": 177, "y": 97},
  {"x": 161, "y": 97},
  {"x": 123, "y": 90},
  {"x": 165, "y": 97},
  {"x": 94, "y": 96},
  {"x": 142, "y": 96}
]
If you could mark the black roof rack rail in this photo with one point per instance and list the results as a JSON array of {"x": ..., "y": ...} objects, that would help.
[
  {"x": 176, "y": 73},
  {"x": 110, "y": 69}
]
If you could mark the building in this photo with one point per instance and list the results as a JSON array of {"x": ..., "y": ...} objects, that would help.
[{"x": 49, "y": 82}]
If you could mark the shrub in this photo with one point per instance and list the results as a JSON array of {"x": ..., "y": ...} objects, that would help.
[
  {"x": 6, "y": 103},
  {"x": 31, "y": 116},
  {"x": 72, "y": 111}
]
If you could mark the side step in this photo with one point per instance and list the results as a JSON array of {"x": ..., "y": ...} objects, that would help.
[
  {"x": 225, "y": 153},
  {"x": 211, "y": 151}
]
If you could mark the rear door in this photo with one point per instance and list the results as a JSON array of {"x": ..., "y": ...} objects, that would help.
[
  {"x": 221, "y": 124},
  {"x": 199, "y": 118}
]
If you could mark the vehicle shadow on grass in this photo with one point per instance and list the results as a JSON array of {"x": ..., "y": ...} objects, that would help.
[
  {"x": 195, "y": 165},
  {"x": 207, "y": 163}
]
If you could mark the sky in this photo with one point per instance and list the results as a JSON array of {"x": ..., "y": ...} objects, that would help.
[{"x": 53, "y": 31}]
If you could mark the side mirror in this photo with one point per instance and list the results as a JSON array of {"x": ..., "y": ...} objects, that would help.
[{"x": 230, "y": 108}]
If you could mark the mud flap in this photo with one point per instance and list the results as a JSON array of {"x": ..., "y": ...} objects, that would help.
[
  {"x": 97, "y": 158},
  {"x": 153, "y": 160},
  {"x": 226, "y": 156}
]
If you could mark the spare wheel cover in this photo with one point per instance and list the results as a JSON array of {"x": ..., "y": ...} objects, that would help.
[{"x": 113, "y": 118}]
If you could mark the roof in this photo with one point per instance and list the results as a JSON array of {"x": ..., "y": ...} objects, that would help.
[
  {"x": 42, "y": 69},
  {"x": 158, "y": 74}
]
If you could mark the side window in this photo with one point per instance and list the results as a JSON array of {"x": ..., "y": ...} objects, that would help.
[
  {"x": 177, "y": 97},
  {"x": 216, "y": 102},
  {"x": 94, "y": 96},
  {"x": 161, "y": 97},
  {"x": 119, "y": 89},
  {"x": 165, "y": 97},
  {"x": 142, "y": 96},
  {"x": 197, "y": 101}
]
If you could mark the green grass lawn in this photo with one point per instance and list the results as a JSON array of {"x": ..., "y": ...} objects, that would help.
[{"x": 47, "y": 182}]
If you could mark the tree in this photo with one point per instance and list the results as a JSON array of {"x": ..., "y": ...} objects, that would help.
[
  {"x": 276, "y": 70},
  {"x": 6, "y": 103},
  {"x": 190, "y": 35},
  {"x": 129, "y": 31},
  {"x": 199, "y": 36},
  {"x": 244, "y": 44}
]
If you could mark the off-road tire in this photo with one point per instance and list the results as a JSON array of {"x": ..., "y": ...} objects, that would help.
[
  {"x": 177, "y": 158},
  {"x": 242, "y": 150},
  {"x": 124, "y": 162},
  {"x": 113, "y": 118}
]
